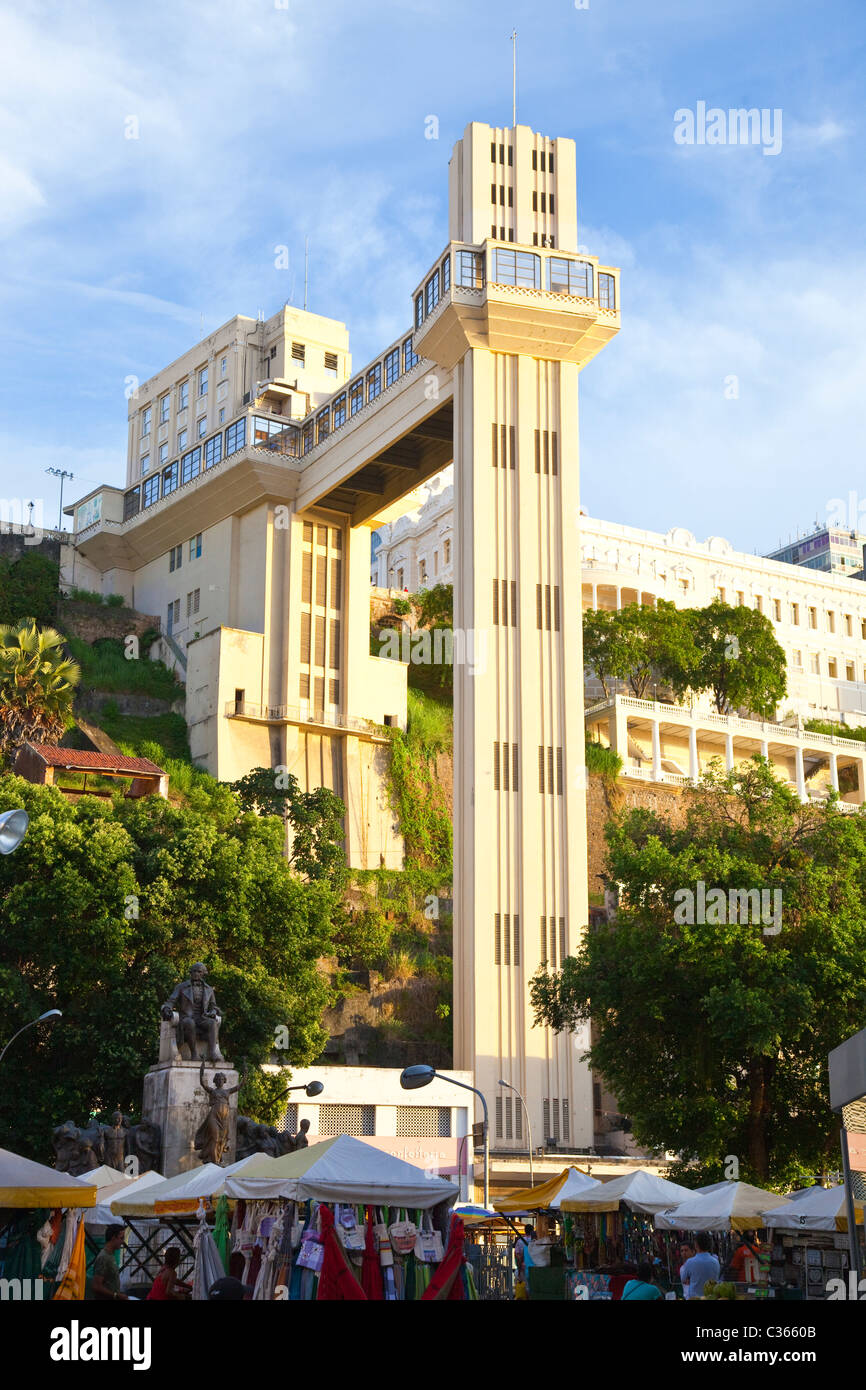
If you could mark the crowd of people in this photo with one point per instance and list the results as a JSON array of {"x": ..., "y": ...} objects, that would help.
[{"x": 166, "y": 1287}]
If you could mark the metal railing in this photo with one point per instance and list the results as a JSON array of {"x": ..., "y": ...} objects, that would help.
[{"x": 294, "y": 714}]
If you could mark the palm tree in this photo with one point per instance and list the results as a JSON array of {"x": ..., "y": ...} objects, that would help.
[{"x": 37, "y": 684}]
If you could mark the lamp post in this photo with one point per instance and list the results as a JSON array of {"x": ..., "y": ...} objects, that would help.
[
  {"x": 52, "y": 1013},
  {"x": 508, "y": 1086},
  {"x": 413, "y": 1078},
  {"x": 13, "y": 828},
  {"x": 62, "y": 474}
]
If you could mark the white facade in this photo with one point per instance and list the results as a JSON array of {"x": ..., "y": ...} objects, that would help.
[
  {"x": 819, "y": 618},
  {"x": 417, "y": 550}
]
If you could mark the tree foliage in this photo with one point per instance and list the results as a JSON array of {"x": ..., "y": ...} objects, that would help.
[
  {"x": 732, "y": 652},
  {"x": 737, "y": 657},
  {"x": 37, "y": 684},
  {"x": 316, "y": 821},
  {"x": 29, "y": 588},
  {"x": 714, "y": 1036},
  {"x": 104, "y": 907}
]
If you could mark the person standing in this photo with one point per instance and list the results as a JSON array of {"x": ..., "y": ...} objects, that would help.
[
  {"x": 105, "y": 1276},
  {"x": 700, "y": 1268}
]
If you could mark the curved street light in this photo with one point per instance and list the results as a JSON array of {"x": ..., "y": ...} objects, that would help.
[
  {"x": 413, "y": 1078},
  {"x": 509, "y": 1087},
  {"x": 13, "y": 828},
  {"x": 52, "y": 1013}
]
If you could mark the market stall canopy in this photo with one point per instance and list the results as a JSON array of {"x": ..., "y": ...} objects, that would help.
[
  {"x": 101, "y": 1214},
  {"x": 106, "y": 1177},
  {"x": 816, "y": 1209},
  {"x": 342, "y": 1169},
  {"x": 139, "y": 1199},
  {"x": 736, "y": 1207},
  {"x": 639, "y": 1191},
  {"x": 24, "y": 1183},
  {"x": 528, "y": 1199},
  {"x": 575, "y": 1185},
  {"x": 206, "y": 1184}
]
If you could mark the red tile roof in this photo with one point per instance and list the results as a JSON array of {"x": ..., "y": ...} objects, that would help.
[{"x": 87, "y": 760}]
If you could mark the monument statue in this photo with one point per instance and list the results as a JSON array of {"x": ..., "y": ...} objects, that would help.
[
  {"x": 213, "y": 1134},
  {"x": 145, "y": 1142},
  {"x": 254, "y": 1138},
  {"x": 192, "y": 1006},
  {"x": 77, "y": 1150},
  {"x": 115, "y": 1139}
]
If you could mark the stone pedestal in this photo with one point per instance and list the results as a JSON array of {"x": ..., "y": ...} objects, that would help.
[{"x": 174, "y": 1100}]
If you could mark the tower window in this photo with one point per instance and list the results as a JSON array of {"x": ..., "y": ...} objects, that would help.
[
  {"x": 299, "y": 353},
  {"x": 606, "y": 292},
  {"x": 331, "y": 363}
]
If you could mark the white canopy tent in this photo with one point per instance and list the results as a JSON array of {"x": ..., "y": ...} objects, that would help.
[
  {"x": 816, "y": 1209},
  {"x": 342, "y": 1169},
  {"x": 738, "y": 1206},
  {"x": 575, "y": 1185},
  {"x": 102, "y": 1214},
  {"x": 138, "y": 1200},
  {"x": 638, "y": 1190}
]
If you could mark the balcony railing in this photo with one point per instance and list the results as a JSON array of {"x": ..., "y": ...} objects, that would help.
[
  {"x": 295, "y": 714},
  {"x": 755, "y": 728}
]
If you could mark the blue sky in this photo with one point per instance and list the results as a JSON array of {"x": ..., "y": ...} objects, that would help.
[{"x": 260, "y": 124}]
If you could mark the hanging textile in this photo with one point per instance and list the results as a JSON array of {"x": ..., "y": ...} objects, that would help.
[
  {"x": 72, "y": 1285},
  {"x": 271, "y": 1258},
  {"x": 446, "y": 1283},
  {"x": 336, "y": 1280},
  {"x": 371, "y": 1273},
  {"x": 221, "y": 1236},
  {"x": 208, "y": 1265}
]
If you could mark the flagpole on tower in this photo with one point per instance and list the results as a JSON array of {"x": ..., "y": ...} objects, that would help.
[{"x": 514, "y": 79}]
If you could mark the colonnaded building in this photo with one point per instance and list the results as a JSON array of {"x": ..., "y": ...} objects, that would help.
[
  {"x": 258, "y": 465},
  {"x": 818, "y": 617}
]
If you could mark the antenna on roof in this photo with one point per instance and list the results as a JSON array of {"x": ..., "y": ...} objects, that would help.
[{"x": 514, "y": 78}]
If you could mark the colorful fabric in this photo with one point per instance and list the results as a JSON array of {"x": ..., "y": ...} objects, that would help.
[
  {"x": 336, "y": 1280},
  {"x": 446, "y": 1283},
  {"x": 72, "y": 1286},
  {"x": 371, "y": 1271}
]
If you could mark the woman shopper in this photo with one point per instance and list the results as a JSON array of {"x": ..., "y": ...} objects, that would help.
[{"x": 166, "y": 1286}]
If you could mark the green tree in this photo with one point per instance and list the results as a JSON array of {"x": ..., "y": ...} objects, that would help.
[
  {"x": 104, "y": 907},
  {"x": 37, "y": 684},
  {"x": 316, "y": 821},
  {"x": 435, "y": 606},
  {"x": 714, "y": 1035},
  {"x": 737, "y": 657},
  {"x": 640, "y": 645}
]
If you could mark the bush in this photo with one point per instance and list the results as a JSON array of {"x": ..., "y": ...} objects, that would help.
[
  {"x": 28, "y": 589},
  {"x": 604, "y": 762},
  {"x": 402, "y": 606},
  {"x": 115, "y": 601}
]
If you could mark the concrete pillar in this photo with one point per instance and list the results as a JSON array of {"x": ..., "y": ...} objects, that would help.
[
  {"x": 618, "y": 597},
  {"x": 657, "y": 752},
  {"x": 834, "y": 771},
  {"x": 694, "y": 770},
  {"x": 729, "y": 751},
  {"x": 801, "y": 775},
  {"x": 765, "y": 749},
  {"x": 594, "y": 595}
]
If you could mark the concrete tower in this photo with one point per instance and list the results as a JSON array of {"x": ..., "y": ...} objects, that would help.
[{"x": 515, "y": 328}]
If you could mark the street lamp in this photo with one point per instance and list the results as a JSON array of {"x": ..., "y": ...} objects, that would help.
[
  {"x": 509, "y": 1087},
  {"x": 13, "y": 828},
  {"x": 413, "y": 1078},
  {"x": 62, "y": 474},
  {"x": 52, "y": 1013},
  {"x": 312, "y": 1088}
]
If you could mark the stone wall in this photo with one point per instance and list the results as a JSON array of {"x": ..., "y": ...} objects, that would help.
[
  {"x": 93, "y": 621},
  {"x": 603, "y": 799}
]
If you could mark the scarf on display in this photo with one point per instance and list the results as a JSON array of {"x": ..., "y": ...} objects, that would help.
[{"x": 337, "y": 1281}]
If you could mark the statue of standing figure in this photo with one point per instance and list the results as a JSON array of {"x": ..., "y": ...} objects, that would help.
[
  {"x": 115, "y": 1139},
  {"x": 213, "y": 1134}
]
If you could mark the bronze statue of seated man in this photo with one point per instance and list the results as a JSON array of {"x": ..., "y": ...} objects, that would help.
[{"x": 198, "y": 1016}]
